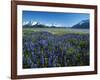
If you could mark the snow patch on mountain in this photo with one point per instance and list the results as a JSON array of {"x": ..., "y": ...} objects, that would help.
[{"x": 82, "y": 24}]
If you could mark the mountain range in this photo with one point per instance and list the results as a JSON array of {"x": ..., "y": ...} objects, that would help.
[{"x": 84, "y": 24}]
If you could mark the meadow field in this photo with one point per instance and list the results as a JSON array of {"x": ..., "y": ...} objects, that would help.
[
  {"x": 56, "y": 31},
  {"x": 55, "y": 47}
]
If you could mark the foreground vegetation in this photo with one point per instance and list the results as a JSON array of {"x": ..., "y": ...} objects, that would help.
[{"x": 55, "y": 47}]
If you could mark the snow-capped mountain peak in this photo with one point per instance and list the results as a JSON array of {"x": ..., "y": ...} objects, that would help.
[
  {"x": 31, "y": 23},
  {"x": 83, "y": 21},
  {"x": 34, "y": 23},
  {"x": 82, "y": 24},
  {"x": 25, "y": 23}
]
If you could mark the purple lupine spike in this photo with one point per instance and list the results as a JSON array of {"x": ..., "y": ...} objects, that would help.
[{"x": 42, "y": 60}]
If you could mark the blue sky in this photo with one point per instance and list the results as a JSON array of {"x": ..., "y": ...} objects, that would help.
[{"x": 53, "y": 18}]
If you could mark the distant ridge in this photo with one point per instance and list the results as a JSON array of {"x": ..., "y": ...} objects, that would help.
[
  {"x": 32, "y": 24},
  {"x": 84, "y": 24}
]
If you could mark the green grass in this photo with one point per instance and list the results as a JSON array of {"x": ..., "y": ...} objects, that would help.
[{"x": 56, "y": 31}]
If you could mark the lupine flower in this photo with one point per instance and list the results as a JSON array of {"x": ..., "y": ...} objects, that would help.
[{"x": 43, "y": 49}]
